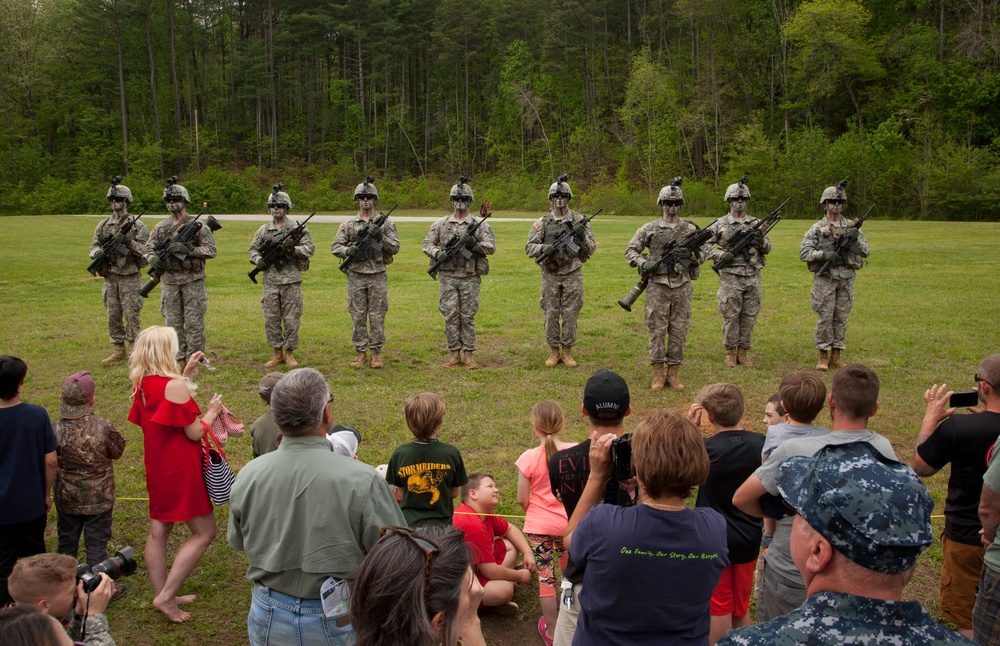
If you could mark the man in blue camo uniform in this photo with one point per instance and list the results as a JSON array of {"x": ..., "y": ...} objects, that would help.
[{"x": 861, "y": 522}]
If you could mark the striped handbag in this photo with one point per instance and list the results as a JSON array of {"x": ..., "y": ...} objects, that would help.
[{"x": 219, "y": 476}]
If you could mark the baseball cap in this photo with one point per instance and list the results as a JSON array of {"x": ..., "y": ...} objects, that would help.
[
  {"x": 345, "y": 440},
  {"x": 874, "y": 510},
  {"x": 268, "y": 381},
  {"x": 606, "y": 396},
  {"x": 77, "y": 393}
]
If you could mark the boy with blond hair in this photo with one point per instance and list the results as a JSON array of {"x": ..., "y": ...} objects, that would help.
[{"x": 426, "y": 474}]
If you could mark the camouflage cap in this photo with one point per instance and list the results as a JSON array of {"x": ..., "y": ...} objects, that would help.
[
  {"x": 873, "y": 510},
  {"x": 76, "y": 396},
  {"x": 268, "y": 381}
]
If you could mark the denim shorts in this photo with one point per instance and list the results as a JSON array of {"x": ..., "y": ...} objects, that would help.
[{"x": 278, "y": 619}]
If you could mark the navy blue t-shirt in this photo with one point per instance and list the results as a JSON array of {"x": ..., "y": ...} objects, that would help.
[{"x": 25, "y": 437}]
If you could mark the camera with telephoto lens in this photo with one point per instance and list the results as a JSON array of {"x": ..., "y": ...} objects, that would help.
[
  {"x": 621, "y": 457},
  {"x": 121, "y": 564}
]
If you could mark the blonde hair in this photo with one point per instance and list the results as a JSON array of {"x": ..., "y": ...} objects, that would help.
[
  {"x": 40, "y": 576},
  {"x": 424, "y": 414},
  {"x": 154, "y": 352},
  {"x": 547, "y": 417}
]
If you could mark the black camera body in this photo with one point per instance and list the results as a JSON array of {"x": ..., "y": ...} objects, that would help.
[
  {"x": 121, "y": 564},
  {"x": 621, "y": 457}
]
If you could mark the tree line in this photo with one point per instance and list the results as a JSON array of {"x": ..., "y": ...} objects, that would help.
[{"x": 901, "y": 97}]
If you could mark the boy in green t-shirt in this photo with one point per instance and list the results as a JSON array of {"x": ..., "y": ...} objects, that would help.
[{"x": 426, "y": 474}]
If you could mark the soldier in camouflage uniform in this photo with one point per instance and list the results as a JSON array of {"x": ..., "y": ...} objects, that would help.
[
  {"x": 832, "y": 292},
  {"x": 367, "y": 284},
  {"x": 460, "y": 281},
  {"x": 121, "y": 274},
  {"x": 668, "y": 295},
  {"x": 562, "y": 277},
  {"x": 862, "y": 520},
  {"x": 184, "y": 297},
  {"x": 281, "y": 301},
  {"x": 739, "y": 281}
]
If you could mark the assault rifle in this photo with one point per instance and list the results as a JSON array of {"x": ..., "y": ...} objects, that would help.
[
  {"x": 844, "y": 244},
  {"x": 454, "y": 247},
  {"x": 114, "y": 250},
  {"x": 278, "y": 250},
  {"x": 668, "y": 256},
  {"x": 187, "y": 234},
  {"x": 566, "y": 242},
  {"x": 740, "y": 241},
  {"x": 367, "y": 243}
]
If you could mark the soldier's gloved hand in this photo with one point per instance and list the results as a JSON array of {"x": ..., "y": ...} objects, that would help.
[
  {"x": 156, "y": 263},
  {"x": 647, "y": 266},
  {"x": 469, "y": 240},
  {"x": 120, "y": 238},
  {"x": 441, "y": 255},
  {"x": 758, "y": 239},
  {"x": 830, "y": 256},
  {"x": 580, "y": 230},
  {"x": 99, "y": 254},
  {"x": 852, "y": 233},
  {"x": 352, "y": 250},
  {"x": 726, "y": 258},
  {"x": 547, "y": 250},
  {"x": 288, "y": 243},
  {"x": 375, "y": 231},
  {"x": 683, "y": 253},
  {"x": 180, "y": 249},
  {"x": 262, "y": 264}
]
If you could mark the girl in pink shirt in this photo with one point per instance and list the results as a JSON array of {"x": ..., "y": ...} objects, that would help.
[{"x": 545, "y": 518}]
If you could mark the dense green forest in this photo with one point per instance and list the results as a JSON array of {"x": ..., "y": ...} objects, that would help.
[{"x": 901, "y": 97}]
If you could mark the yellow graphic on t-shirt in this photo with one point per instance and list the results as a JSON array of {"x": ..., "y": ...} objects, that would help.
[{"x": 426, "y": 482}]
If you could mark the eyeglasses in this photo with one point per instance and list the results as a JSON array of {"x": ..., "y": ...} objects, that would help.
[
  {"x": 980, "y": 379},
  {"x": 116, "y": 198},
  {"x": 739, "y": 199},
  {"x": 836, "y": 201},
  {"x": 671, "y": 203},
  {"x": 429, "y": 549},
  {"x": 173, "y": 198},
  {"x": 366, "y": 197},
  {"x": 556, "y": 196}
]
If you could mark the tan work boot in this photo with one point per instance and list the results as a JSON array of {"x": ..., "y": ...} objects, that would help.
[
  {"x": 742, "y": 358},
  {"x": 456, "y": 359},
  {"x": 824, "y": 361},
  {"x": 468, "y": 360},
  {"x": 290, "y": 360},
  {"x": 672, "y": 380},
  {"x": 567, "y": 358},
  {"x": 730, "y": 357},
  {"x": 118, "y": 354},
  {"x": 658, "y": 378},
  {"x": 360, "y": 360},
  {"x": 278, "y": 357},
  {"x": 376, "y": 361},
  {"x": 835, "y": 359},
  {"x": 553, "y": 357}
]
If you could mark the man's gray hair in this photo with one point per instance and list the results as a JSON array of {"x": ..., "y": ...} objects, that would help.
[
  {"x": 297, "y": 401},
  {"x": 989, "y": 370}
]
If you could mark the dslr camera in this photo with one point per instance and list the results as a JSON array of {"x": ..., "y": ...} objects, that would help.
[
  {"x": 121, "y": 564},
  {"x": 621, "y": 457}
]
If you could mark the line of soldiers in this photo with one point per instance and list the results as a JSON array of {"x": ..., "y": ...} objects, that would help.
[{"x": 458, "y": 246}]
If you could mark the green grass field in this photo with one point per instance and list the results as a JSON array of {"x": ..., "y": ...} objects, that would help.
[{"x": 923, "y": 314}]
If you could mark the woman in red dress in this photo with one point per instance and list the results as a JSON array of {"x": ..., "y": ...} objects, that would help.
[{"x": 173, "y": 454}]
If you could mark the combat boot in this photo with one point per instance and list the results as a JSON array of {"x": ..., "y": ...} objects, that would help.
[
  {"x": 672, "y": 379},
  {"x": 360, "y": 361},
  {"x": 835, "y": 359},
  {"x": 742, "y": 358},
  {"x": 376, "y": 361},
  {"x": 456, "y": 360},
  {"x": 278, "y": 357},
  {"x": 567, "y": 358},
  {"x": 118, "y": 354},
  {"x": 730, "y": 357},
  {"x": 553, "y": 357},
  {"x": 824, "y": 361},
  {"x": 290, "y": 360},
  {"x": 658, "y": 378},
  {"x": 468, "y": 360}
]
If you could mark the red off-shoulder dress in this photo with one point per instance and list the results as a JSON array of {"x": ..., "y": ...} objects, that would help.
[{"x": 174, "y": 477}]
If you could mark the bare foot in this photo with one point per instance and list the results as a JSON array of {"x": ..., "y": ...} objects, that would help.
[
  {"x": 170, "y": 609},
  {"x": 187, "y": 598}
]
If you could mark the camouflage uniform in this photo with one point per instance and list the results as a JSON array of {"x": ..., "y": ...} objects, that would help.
[
  {"x": 98, "y": 632},
  {"x": 668, "y": 296},
  {"x": 184, "y": 297},
  {"x": 562, "y": 279},
  {"x": 833, "y": 293},
  {"x": 739, "y": 283},
  {"x": 121, "y": 279},
  {"x": 281, "y": 300},
  {"x": 367, "y": 284},
  {"x": 459, "y": 294}
]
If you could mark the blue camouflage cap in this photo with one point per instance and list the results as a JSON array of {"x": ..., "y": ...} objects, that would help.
[{"x": 874, "y": 510}]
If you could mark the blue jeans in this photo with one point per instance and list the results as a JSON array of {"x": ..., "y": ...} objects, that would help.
[{"x": 278, "y": 619}]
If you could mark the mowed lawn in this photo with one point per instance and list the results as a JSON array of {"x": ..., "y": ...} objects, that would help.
[{"x": 925, "y": 311}]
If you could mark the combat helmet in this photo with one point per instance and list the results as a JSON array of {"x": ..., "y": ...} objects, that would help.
[
  {"x": 173, "y": 189},
  {"x": 279, "y": 198},
  {"x": 560, "y": 186},
  {"x": 462, "y": 189},
  {"x": 671, "y": 193},
  {"x": 739, "y": 189},
  {"x": 120, "y": 190},
  {"x": 366, "y": 188},
  {"x": 834, "y": 192}
]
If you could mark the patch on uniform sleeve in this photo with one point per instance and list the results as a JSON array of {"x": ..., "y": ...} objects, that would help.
[
  {"x": 341, "y": 226},
  {"x": 537, "y": 225},
  {"x": 638, "y": 231}
]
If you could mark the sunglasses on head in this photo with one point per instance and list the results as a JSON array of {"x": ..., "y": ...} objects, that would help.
[{"x": 429, "y": 548}]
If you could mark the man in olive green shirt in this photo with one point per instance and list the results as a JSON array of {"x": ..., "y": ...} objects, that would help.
[{"x": 305, "y": 517}]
